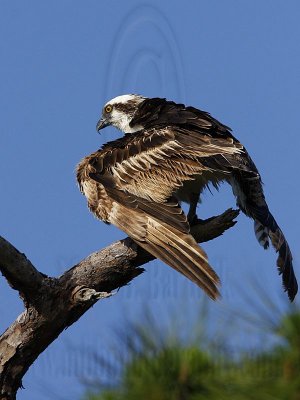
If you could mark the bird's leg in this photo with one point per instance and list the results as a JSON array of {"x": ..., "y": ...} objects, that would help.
[{"x": 192, "y": 214}]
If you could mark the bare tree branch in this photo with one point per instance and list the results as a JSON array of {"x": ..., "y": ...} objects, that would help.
[
  {"x": 18, "y": 270},
  {"x": 53, "y": 304}
]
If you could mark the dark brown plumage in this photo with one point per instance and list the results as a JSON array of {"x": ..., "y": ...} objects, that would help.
[{"x": 169, "y": 154}]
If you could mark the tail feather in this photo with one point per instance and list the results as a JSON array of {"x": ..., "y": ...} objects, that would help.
[
  {"x": 262, "y": 234},
  {"x": 284, "y": 262},
  {"x": 250, "y": 198}
]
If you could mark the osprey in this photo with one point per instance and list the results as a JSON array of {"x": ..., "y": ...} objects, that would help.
[{"x": 169, "y": 154}]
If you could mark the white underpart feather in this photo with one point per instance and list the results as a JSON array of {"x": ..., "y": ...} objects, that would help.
[{"x": 122, "y": 121}]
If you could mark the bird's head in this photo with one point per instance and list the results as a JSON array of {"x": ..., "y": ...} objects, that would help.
[{"x": 119, "y": 112}]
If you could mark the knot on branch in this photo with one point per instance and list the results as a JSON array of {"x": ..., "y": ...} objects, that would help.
[{"x": 83, "y": 294}]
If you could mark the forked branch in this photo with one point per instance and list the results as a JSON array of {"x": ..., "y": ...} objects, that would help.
[{"x": 53, "y": 304}]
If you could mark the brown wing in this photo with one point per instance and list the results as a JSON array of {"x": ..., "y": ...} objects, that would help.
[
  {"x": 161, "y": 229},
  {"x": 130, "y": 182},
  {"x": 155, "y": 163}
]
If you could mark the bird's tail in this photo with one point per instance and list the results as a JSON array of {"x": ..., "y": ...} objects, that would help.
[
  {"x": 248, "y": 189},
  {"x": 180, "y": 251},
  {"x": 262, "y": 234}
]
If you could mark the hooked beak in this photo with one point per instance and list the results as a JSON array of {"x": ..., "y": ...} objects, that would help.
[{"x": 102, "y": 123}]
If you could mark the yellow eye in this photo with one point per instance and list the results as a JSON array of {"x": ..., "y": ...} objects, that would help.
[{"x": 108, "y": 109}]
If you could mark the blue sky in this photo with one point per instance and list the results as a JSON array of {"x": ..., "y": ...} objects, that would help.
[{"x": 60, "y": 61}]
